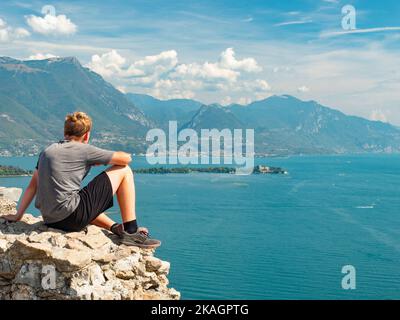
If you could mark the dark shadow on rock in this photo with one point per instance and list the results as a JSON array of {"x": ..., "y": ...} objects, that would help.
[
  {"x": 22, "y": 227},
  {"x": 114, "y": 238}
]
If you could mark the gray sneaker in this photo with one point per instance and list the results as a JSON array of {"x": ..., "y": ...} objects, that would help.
[{"x": 139, "y": 239}]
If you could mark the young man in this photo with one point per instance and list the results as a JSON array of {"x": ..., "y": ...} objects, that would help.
[{"x": 56, "y": 182}]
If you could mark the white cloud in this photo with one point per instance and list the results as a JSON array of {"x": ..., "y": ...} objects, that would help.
[
  {"x": 248, "y": 19},
  {"x": 378, "y": 115},
  {"x": 221, "y": 74},
  {"x": 41, "y": 56},
  {"x": 289, "y": 23},
  {"x": 260, "y": 85},
  {"x": 146, "y": 70},
  {"x": 303, "y": 89},
  {"x": 244, "y": 101},
  {"x": 121, "y": 89},
  {"x": 207, "y": 71},
  {"x": 51, "y": 24},
  {"x": 108, "y": 64},
  {"x": 281, "y": 69},
  {"x": 327, "y": 34},
  {"x": 8, "y": 33},
  {"x": 153, "y": 65},
  {"x": 4, "y": 36},
  {"x": 229, "y": 61},
  {"x": 21, "y": 33},
  {"x": 163, "y": 76},
  {"x": 226, "y": 101},
  {"x": 3, "y": 24}
]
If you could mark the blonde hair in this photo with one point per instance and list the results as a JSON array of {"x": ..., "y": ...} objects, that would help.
[{"x": 77, "y": 124}]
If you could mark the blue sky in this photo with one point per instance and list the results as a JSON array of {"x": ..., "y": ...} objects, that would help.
[{"x": 223, "y": 51}]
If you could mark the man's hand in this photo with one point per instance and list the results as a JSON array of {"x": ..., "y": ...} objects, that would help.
[
  {"x": 12, "y": 217},
  {"x": 121, "y": 158},
  {"x": 143, "y": 230}
]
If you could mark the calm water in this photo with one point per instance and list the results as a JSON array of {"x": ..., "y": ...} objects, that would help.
[{"x": 275, "y": 237}]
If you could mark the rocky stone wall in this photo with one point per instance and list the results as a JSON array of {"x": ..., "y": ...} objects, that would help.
[{"x": 37, "y": 262}]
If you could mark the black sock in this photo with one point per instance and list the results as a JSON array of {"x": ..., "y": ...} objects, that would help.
[{"x": 130, "y": 226}]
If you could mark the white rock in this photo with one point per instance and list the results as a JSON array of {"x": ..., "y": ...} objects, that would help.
[{"x": 12, "y": 194}]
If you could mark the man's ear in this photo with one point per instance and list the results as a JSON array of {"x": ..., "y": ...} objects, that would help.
[{"x": 86, "y": 137}]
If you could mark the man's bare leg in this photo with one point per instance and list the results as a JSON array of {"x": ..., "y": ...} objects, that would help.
[
  {"x": 121, "y": 178},
  {"x": 103, "y": 221},
  {"x": 123, "y": 185}
]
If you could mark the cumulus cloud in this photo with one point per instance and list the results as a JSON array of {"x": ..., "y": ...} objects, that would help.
[
  {"x": 257, "y": 85},
  {"x": 244, "y": 101},
  {"x": 378, "y": 115},
  {"x": 8, "y": 33},
  {"x": 228, "y": 68},
  {"x": 108, "y": 64},
  {"x": 303, "y": 89},
  {"x": 172, "y": 89},
  {"x": 226, "y": 101},
  {"x": 281, "y": 69},
  {"x": 113, "y": 64},
  {"x": 207, "y": 71},
  {"x": 164, "y": 77},
  {"x": 21, "y": 33},
  {"x": 229, "y": 61},
  {"x": 41, "y": 56},
  {"x": 51, "y": 24}
]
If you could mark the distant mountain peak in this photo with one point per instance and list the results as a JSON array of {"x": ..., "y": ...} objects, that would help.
[
  {"x": 37, "y": 94},
  {"x": 283, "y": 97},
  {"x": 6, "y": 60},
  {"x": 72, "y": 60},
  {"x": 214, "y": 105}
]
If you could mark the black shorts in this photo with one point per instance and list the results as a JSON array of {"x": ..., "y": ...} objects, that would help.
[{"x": 96, "y": 198}]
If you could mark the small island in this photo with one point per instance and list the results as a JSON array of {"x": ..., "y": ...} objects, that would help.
[
  {"x": 11, "y": 171},
  {"x": 231, "y": 170}
]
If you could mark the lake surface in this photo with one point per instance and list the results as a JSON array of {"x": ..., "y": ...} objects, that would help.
[{"x": 274, "y": 236}]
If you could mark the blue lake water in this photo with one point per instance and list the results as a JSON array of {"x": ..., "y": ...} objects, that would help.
[{"x": 274, "y": 236}]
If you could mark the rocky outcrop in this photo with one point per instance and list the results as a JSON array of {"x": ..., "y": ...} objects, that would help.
[
  {"x": 37, "y": 262},
  {"x": 12, "y": 194}
]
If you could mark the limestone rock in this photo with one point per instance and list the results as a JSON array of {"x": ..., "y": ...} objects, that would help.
[
  {"x": 12, "y": 194},
  {"x": 38, "y": 263}
]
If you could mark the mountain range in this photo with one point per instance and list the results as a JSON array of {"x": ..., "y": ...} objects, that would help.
[
  {"x": 285, "y": 125},
  {"x": 36, "y": 95}
]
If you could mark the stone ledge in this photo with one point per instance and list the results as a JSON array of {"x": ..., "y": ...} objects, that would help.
[{"x": 37, "y": 262}]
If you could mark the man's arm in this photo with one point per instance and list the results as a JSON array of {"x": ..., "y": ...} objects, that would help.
[
  {"x": 98, "y": 156},
  {"x": 26, "y": 200},
  {"x": 120, "y": 158}
]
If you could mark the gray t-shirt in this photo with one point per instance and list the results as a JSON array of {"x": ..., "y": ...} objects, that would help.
[{"x": 61, "y": 168}]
